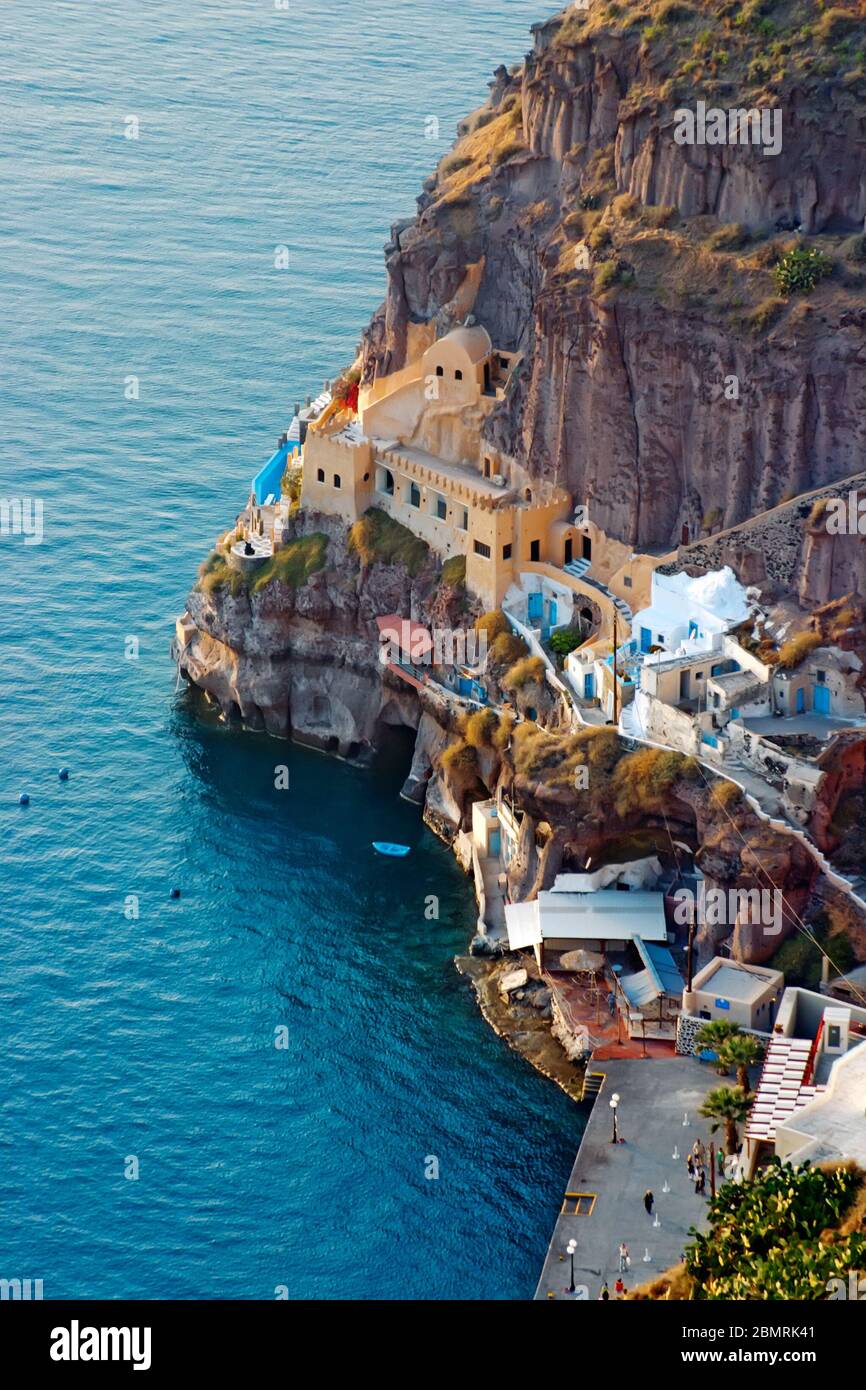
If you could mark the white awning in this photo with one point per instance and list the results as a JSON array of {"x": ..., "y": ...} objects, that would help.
[
  {"x": 521, "y": 920},
  {"x": 603, "y": 916}
]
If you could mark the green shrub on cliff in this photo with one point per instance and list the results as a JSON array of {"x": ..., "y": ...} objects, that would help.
[
  {"x": 674, "y": 12},
  {"x": 800, "y": 269},
  {"x": 793, "y": 653},
  {"x": 293, "y": 563},
  {"x": 854, "y": 248},
  {"x": 733, "y": 236},
  {"x": 507, "y": 648},
  {"x": 454, "y": 572},
  {"x": 378, "y": 539},
  {"x": 215, "y": 575},
  {"x": 554, "y": 759},
  {"x": 504, "y": 646},
  {"x": 494, "y": 624},
  {"x": 765, "y": 314},
  {"x": 801, "y": 960},
  {"x": 505, "y": 731},
  {"x": 565, "y": 640},
  {"x": 459, "y": 762},
  {"x": 837, "y": 24},
  {"x": 643, "y": 781},
  {"x": 479, "y": 728},
  {"x": 725, "y": 797},
  {"x": 526, "y": 672},
  {"x": 659, "y": 215}
]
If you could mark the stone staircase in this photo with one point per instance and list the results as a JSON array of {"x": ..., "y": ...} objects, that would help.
[{"x": 579, "y": 569}]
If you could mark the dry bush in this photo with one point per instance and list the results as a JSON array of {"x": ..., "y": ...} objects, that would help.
[{"x": 528, "y": 671}]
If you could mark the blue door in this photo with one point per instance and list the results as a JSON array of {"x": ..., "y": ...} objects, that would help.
[
  {"x": 589, "y": 686},
  {"x": 646, "y": 639},
  {"x": 536, "y": 609},
  {"x": 821, "y": 700},
  {"x": 552, "y": 622},
  {"x": 801, "y": 700},
  {"x": 494, "y": 844}
]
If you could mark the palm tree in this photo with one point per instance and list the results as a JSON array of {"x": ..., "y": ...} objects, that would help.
[
  {"x": 727, "y": 1106},
  {"x": 741, "y": 1050},
  {"x": 713, "y": 1036}
]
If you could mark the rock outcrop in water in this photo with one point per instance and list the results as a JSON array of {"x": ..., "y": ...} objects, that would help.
[{"x": 305, "y": 661}]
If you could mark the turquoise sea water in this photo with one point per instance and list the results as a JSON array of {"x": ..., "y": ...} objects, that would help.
[{"x": 153, "y": 1037}]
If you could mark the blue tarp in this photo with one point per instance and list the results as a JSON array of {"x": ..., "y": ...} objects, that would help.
[
  {"x": 659, "y": 977},
  {"x": 660, "y": 962},
  {"x": 267, "y": 482}
]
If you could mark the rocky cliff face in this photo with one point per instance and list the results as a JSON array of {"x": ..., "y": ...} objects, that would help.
[
  {"x": 305, "y": 662},
  {"x": 608, "y": 259},
  {"x": 734, "y": 848}
]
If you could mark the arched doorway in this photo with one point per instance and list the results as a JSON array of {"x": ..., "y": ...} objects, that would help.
[{"x": 569, "y": 551}]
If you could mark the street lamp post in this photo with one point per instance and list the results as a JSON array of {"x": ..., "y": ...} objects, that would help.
[
  {"x": 614, "y": 1104},
  {"x": 570, "y": 1249}
]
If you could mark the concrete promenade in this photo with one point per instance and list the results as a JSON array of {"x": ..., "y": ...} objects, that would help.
[{"x": 655, "y": 1094}]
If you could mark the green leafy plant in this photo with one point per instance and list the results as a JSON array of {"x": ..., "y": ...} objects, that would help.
[
  {"x": 564, "y": 640},
  {"x": 767, "y": 1236},
  {"x": 800, "y": 269}
]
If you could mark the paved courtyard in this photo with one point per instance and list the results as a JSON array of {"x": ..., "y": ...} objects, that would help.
[{"x": 655, "y": 1094}]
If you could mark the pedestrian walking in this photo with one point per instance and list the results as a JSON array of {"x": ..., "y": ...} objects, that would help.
[
  {"x": 648, "y": 1201},
  {"x": 604, "y": 1295},
  {"x": 619, "y": 1288},
  {"x": 701, "y": 1185},
  {"x": 698, "y": 1151},
  {"x": 720, "y": 1162},
  {"x": 690, "y": 1164},
  {"x": 624, "y": 1260}
]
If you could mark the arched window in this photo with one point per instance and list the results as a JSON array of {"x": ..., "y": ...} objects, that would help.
[
  {"x": 337, "y": 481},
  {"x": 458, "y": 376},
  {"x": 320, "y": 475},
  {"x": 527, "y": 496},
  {"x": 440, "y": 371}
]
